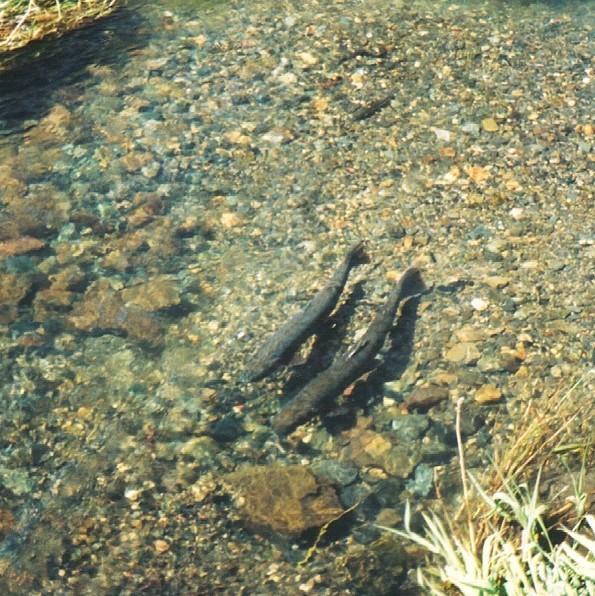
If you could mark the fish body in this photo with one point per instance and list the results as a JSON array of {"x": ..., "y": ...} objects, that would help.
[
  {"x": 346, "y": 368},
  {"x": 302, "y": 325}
]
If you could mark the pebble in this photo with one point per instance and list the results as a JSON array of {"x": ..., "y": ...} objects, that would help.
[
  {"x": 231, "y": 220},
  {"x": 151, "y": 170},
  {"x": 487, "y": 394},
  {"x": 471, "y": 128},
  {"x": 388, "y": 518},
  {"x": 161, "y": 546},
  {"x": 307, "y": 58},
  {"x": 517, "y": 213},
  {"x": 376, "y": 450},
  {"x": 422, "y": 398},
  {"x": 410, "y": 427},
  {"x": 337, "y": 473},
  {"x": 153, "y": 295},
  {"x": 442, "y": 134},
  {"x": 496, "y": 282},
  {"x": 479, "y": 304},
  {"x": 20, "y": 246},
  {"x": 489, "y": 364},
  {"x": 463, "y": 353},
  {"x": 422, "y": 482},
  {"x": 470, "y": 334},
  {"x": 489, "y": 125}
]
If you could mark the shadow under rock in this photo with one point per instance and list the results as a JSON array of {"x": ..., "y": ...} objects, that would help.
[{"x": 31, "y": 76}]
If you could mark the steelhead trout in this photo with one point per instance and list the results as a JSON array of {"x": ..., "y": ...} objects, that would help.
[
  {"x": 290, "y": 335},
  {"x": 346, "y": 368}
]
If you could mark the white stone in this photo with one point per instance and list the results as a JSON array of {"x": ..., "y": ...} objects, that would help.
[
  {"x": 517, "y": 213},
  {"x": 479, "y": 304}
]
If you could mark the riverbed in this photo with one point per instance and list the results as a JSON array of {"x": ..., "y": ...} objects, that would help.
[{"x": 178, "y": 180}]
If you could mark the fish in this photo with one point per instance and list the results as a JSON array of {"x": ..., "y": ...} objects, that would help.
[
  {"x": 346, "y": 368},
  {"x": 303, "y": 324}
]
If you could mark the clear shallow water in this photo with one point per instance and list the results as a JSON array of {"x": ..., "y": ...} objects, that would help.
[{"x": 173, "y": 185}]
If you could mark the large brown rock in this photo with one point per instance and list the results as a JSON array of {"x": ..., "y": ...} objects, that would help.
[
  {"x": 284, "y": 500},
  {"x": 19, "y": 246},
  {"x": 102, "y": 308},
  {"x": 154, "y": 294}
]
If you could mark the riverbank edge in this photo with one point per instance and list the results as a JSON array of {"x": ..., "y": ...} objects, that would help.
[{"x": 22, "y": 24}]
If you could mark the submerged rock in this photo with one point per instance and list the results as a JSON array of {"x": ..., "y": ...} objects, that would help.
[
  {"x": 20, "y": 246},
  {"x": 376, "y": 450},
  {"x": 103, "y": 308},
  {"x": 154, "y": 294},
  {"x": 41, "y": 213},
  {"x": 286, "y": 500},
  {"x": 52, "y": 128},
  {"x": 487, "y": 393},
  {"x": 422, "y": 398},
  {"x": 13, "y": 288},
  {"x": 463, "y": 353}
]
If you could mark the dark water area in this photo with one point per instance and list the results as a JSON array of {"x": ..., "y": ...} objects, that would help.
[{"x": 178, "y": 180}]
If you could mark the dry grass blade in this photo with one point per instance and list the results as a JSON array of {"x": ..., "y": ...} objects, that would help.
[
  {"x": 543, "y": 423},
  {"x": 24, "y": 21},
  {"x": 507, "y": 546},
  {"x": 547, "y": 426}
]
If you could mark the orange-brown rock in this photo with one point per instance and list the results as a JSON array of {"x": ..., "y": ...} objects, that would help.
[
  {"x": 162, "y": 238},
  {"x": 147, "y": 206},
  {"x": 487, "y": 394},
  {"x": 422, "y": 398},
  {"x": 40, "y": 213},
  {"x": 13, "y": 288},
  {"x": 67, "y": 278},
  {"x": 49, "y": 301},
  {"x": 284, "y": 500},
  {"x": 19, "y": 246},
  {"x": 80, "y": 251},
  {"x": 12, "y": 187},
  {"x": 134, "y": 161},
  {"x": 7, "y": 522},
  {"x": 54, "y": 297},
  {"x": 102, "y": 308},
  {"x": 157, "y": 293}
]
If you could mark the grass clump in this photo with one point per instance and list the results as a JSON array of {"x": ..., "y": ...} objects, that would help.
[
  {"x": 24, "y": 21},
  {"x": 512, "y": 543}
]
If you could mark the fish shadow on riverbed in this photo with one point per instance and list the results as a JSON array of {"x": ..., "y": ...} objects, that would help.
[
  {"x": 328, "y": 342},
  {"x": 395, "y": 361}
]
